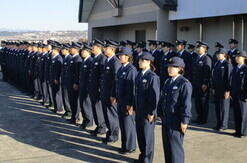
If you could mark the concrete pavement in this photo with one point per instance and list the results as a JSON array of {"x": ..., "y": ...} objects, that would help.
[{"x": 31, "y": 133}]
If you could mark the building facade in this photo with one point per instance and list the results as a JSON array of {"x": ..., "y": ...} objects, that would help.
[{"x": 138, "y": 20}]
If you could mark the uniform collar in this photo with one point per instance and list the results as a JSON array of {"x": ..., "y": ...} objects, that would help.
[
  {"x": 75, "y": 55},
  {"x": 86, "y": 58},
  {"x": 124, "y": 65},
  {"x": 144, "y": 71},
  {"x": 109, "y": 58}
]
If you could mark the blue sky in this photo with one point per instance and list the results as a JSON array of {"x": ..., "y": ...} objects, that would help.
[{"x": 40, "y": 15}]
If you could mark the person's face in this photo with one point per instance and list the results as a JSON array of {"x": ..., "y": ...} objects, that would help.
[
  {"x": 85, "y": 53},
  {"x": 49, "y": 47},
  {"x": 54, "y": 52},
  {"x": 191, "y": 50},
  {"x": 73, "y": 51},
  {"x": 40, "y": 50},
  {"x": 173, "y": 71},
  {"x": 29, "y": 48},
  {"x": 165, "y": 49},
  {"x": 201, "y": 50},
  {"x": 123, "y": 58},
  {"x": 152, "y": 47},
  {"x": 109, "y": 51},
  {"x": 239, "y": 59},
  {"x": 180, "y": 48},
  {"x": 220, "y": 56},
  {"x": 96, "y": 49},
  {"x": 232, "y": 46},
  {"x": 143, "y": 64},
  {"x": 34, "y": 48},
  {"x": 216, "y": 49},
  {"x": 44, "y": 49},
  {"x": 139, "y": 50}
]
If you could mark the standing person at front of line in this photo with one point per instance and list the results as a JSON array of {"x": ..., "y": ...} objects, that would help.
[
  {"x": 108, "y": 92},
  {"x": 200, "y": 83},
  {"x": 125, "y": 100},
  {"x": 239, "y": 95},
  {"x": 175, "y": 110},
  {"x": 221, "y": 76},
  {"x": 146, "y": 100},
  {"x": 85, "y": 102}
]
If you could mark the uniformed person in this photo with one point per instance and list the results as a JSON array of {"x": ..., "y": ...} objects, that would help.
[
  {"x": 64, "y": 80},
  {"x": 85, "y": 102},
  {"x": 175, "y": 110},
  {"x": 125, "y": 101},
  {"x": 108, "y": 92},
  {"x": 139, "y": 50},
  {"x": 200, "y": 82},
  {"x": 94, "y": 87},
  {"x": 182, "y": 53},
  {"x": 47, "y": 89},
  {"x": 165, "y": 57},
  {"x": 239, "y": 95},
  {"x": 73, "y": 79},
  {"x": 217, "y": 49},
  {"x": 221, "y": 76},
  {"x": 55, "y": 76},
  {"x": 146, "y": 100},
  {"x": 191, "y": 50},
  {"x": 233, "y": 51},
  {"x": 156, "y": 54}
]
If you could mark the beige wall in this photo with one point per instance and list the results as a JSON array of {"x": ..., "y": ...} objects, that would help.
[{"x": 125, "y": 32}]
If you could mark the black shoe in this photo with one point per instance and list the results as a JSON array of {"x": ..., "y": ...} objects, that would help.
[
  {"x": 121, "y": 151},
  {"x": 54, "y": 111},
  {"x": 236, "y": 135},
  {"x": 216, "y": 128},
  {"x": 107, "y": 141}
]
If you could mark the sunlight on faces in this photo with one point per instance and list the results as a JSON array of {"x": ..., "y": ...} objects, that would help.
[
  {"x": 85, "y": 53},
  {"x": 34, "y": 48},
  {"x": 49, "y": 47},
  {"x": 30, "y": 48},
  {"x": 64, "y": 51},
  {"x": 144, "y": 64},
  {"x": 40, "y": 50},
  {"x": 240, "y": 59},
  {"x": 96, "y": 49},
  {"x": 123, "y": 58},
  {"x": 109, "y": 51},
  {"x": 201, "y": 50},
  {"x": 221, "y": 56},
  {"x": 54, "y": 52},
  {"x": 44, "y": 49},
  {"x": 73, "y": 51},
  {"x": 173, "y": 71}
]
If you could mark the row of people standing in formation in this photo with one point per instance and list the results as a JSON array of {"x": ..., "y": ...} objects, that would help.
[{"x": 112, "y": 92}]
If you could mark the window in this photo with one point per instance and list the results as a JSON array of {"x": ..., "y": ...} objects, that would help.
[{"x": 140, "y": 35}]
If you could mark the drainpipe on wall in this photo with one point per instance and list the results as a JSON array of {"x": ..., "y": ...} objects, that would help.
[
  {"x": 200, "y": 30},
  {"x": 233, "y": 27},
  {"x": 242, "y": 36}
]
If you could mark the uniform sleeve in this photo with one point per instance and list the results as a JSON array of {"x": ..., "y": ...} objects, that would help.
[
  {"x": 228, "y": 77},
  {"x": 130, "y": 87},
  {"x": 186, "y": 93},
  {"x": 117, "y": 65},
  {"x": 58, "y": 70},
  {"x": 77, "y": 71},
  {"x": 153, "y": 95},
  {"x": 207, "y": 70}
]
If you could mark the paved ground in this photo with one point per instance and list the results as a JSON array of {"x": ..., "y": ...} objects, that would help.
[{"x": 31, "y": 133}]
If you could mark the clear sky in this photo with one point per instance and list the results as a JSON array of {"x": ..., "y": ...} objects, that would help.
[{"x": 40, "y": 15}]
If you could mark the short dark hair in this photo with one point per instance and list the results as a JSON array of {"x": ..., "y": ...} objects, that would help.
[{"x": 181, "y": 71}]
